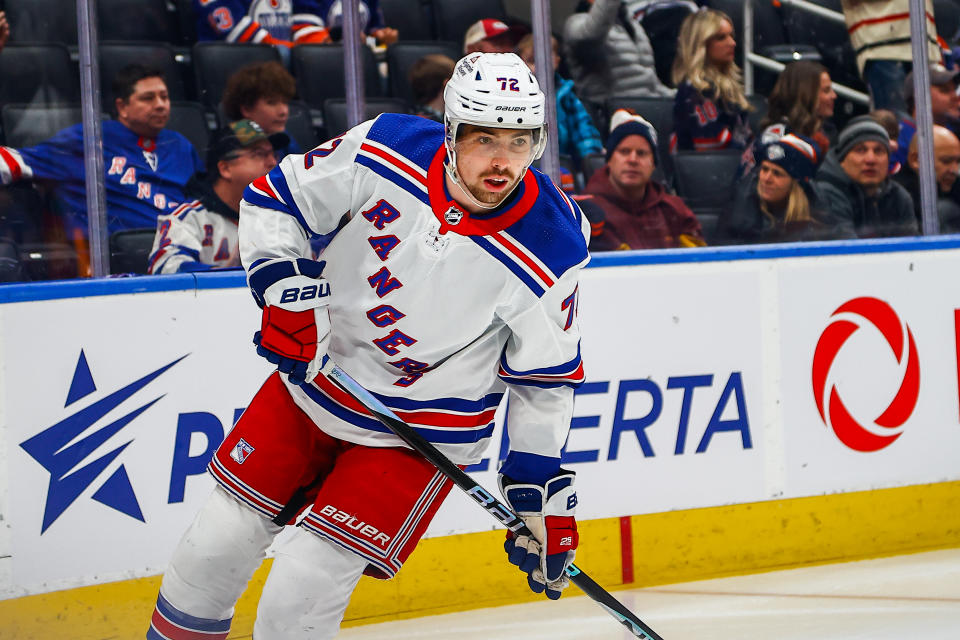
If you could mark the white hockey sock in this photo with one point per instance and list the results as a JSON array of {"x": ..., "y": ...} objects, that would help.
[
  {"x": 307, "y": 590},
  {"x": 216, "y": 558}
]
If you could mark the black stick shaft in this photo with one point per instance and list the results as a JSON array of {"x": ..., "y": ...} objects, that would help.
[{"x": 485, "y": 499}]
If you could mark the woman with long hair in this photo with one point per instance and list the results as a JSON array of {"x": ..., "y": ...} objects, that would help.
[
  {"x": 710, "y": 108},
  {"x": 801, "y": 100},
  {"x": 777, "y": 202}
]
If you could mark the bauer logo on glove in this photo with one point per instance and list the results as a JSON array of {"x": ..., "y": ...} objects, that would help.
[
  {"x": 295, "y": 329},
  {"x": 548, "y": 512}
]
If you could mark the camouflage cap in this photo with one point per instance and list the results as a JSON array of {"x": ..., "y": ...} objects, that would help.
[{"x": 239, "y": 135}]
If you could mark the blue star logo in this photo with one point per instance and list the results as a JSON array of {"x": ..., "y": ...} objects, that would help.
[{"x": 58, "y": 450}]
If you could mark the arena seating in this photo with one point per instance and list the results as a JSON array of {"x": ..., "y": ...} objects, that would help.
[
  {"x": 214, "y": 62},
  {"x": 40, "y": 89},
  {"x": 335, "y": 112},
  {"x": 39, "y": 73},
  {"x": 318, "y": 69},
  {"x": 401, "y": 56}
]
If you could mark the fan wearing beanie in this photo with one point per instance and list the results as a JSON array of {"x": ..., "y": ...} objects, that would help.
[
  {"x": 639, "y": 212},
  {"x": 855, "y": 184},
  {"x": 777, "y": 202}
]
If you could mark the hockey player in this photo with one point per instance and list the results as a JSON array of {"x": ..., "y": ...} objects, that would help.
[
  {"x": 452, "y": 278},
  {"x": 202, "y": 233},
  {"x": 146, "y": 165}
]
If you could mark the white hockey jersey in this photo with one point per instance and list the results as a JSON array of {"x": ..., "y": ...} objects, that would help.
[
  {"x": 436, "y": 312},
  {"x": 197, "y": 236}
]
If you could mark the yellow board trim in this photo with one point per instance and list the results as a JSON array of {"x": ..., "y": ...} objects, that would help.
[{"x": 468, "y": 571}]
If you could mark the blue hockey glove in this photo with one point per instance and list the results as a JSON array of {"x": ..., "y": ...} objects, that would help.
[
  {"x": 295, "y": 329},
  {"x": 548, "y": 512}
]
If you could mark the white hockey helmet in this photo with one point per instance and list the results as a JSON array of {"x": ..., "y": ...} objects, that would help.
[{"x": 494, "y": 90}]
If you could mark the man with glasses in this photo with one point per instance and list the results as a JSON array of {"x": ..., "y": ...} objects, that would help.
[{"x": 202, "y": 234}]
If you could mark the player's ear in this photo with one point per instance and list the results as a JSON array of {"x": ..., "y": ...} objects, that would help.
[{"x": 119, "y": 104}]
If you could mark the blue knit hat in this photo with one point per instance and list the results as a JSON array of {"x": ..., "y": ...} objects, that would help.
[
  {"x": 625, "y": 122},
  {"x": 798, "y": 155}
]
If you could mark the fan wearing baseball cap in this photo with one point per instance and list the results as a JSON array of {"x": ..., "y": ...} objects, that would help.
[
  {"x": 202, "y": 233},
  {"x": 944, "y": 105},
  {"x": 854, "y": 182},
  {"x": 491, "y": 35},
  {"x": 776, "y": 202}
]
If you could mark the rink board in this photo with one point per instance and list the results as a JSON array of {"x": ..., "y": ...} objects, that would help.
[{"x": 700, "y": 426}]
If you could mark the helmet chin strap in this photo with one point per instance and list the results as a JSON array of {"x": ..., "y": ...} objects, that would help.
[{"x": 454, "y": 173}]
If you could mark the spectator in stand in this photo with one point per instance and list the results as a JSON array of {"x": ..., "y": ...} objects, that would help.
[
  {"x": 888, "y": 120},
  {"x": 801, "y": 101},
  {"x": 854, "y": 183},
  {"x": 492, "y": 36},
  {"x": 639, "y": 213},
  {"x": 370, "y": 20},
  {"x": 146, "y": 165},
  {"x": 777, "y": 203},
  {"x": 576, "y": 134},
  {"x": 710, "y": 109},
  {"x": 609, "y": 55},
  {"x": 202, "y": 234},
  {"x": 880, "y": 35},
  {"x": 427, "y": 78},
  {"x": 944, "y": 104},
  {"x": 262, "y": 92},
  {"x": 282, "y": 24},
  {"x": 946, "y": 165},
  {"x": 4, "y": 30}
]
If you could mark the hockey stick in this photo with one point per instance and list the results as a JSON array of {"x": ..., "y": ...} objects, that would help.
[{"x": 493, "y": 506}]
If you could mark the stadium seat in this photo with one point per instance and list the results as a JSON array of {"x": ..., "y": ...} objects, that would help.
[
  {"x": 300, "y": 126},
  {"x": 187, "y": 21},
  {"x": 663, "y": 27},
  {"x": 38, "y": 73},
  {"x": 755, "y": 117},
  {"x": 335, "y": 112},
  {"x": 318, "y": 69},
  {"x": 116, "y": 55},
  {"x": 49, "y": 261},
  {"x": 21, "y": 212},
  {"x": 829, "y": 37},
  {"x": 42, "y": 21},
  {"x": 705, "y": 179},
  {"x": 453, "y": 17},
  {"x": 592, "y": 162},
  {"x": 709, "y": 218},
  {"x": 130, "y": 249},
  {"x": 25, "y": 125},
  {"x": 10, "y": 268},
  {"x": 190, "y": 120},
  {"x": 142, "y": 20},
  {"x": 402, "y": 55},
  {"x": 409, "y": 17},
  {"x": 213, "y": 62}
]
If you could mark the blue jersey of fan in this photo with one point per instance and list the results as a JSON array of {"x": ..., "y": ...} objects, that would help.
[
  {"x": 437, "y": 311},
  {"x": 254, "y": 20},
  {"x": 144, "y": 177}
]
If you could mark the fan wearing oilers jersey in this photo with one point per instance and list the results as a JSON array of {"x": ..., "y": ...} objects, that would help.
[{"x": 450, "y": 282}]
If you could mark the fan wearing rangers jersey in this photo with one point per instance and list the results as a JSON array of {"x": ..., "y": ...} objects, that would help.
[
  {"x": 202, "y": 233},
  {"x": 450, "y": 282},
  {"x": 146, "y": 165}
]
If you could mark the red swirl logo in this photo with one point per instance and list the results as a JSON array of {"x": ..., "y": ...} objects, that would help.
[{"x": 889, "y": 426}]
